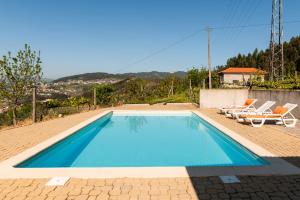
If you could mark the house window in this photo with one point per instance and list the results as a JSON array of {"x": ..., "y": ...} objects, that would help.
[{"x": 236, "y": 82}]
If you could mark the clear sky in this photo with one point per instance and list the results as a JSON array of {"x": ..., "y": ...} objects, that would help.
[{"x": 116, "y": 36}]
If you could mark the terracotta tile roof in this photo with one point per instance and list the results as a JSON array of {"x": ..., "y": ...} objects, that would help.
[{"x": 239, "y": 70}]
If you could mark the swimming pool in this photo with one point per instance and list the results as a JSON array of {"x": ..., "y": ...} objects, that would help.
[{"x": 145, "y": 139}]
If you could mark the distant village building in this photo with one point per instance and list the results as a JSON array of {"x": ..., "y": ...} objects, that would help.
[{"x": 240, "y": 76}]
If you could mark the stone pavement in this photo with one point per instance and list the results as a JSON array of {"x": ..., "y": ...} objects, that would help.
[
  {"x": 250, "y": 187},
  {"x": 275, "y": 140}
]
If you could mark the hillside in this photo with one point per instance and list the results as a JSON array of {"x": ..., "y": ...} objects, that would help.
[{"x": 102, "y": 75}]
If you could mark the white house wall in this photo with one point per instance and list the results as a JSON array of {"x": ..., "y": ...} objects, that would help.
[{"x": 229, "y": 78}]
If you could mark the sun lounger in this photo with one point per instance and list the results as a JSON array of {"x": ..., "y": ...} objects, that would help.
[
  {"x": 263, "y": 109},
  {"x": 249, "y": 104},
  {"x": 280, "y": 115}
]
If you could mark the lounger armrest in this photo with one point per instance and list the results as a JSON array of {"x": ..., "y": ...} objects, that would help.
[
  {"x": 267, "y": 112},
  {"x": 249, "y": 109}
]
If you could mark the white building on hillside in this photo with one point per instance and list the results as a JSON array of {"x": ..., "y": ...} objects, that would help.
[{"x": 240, "y": 76}]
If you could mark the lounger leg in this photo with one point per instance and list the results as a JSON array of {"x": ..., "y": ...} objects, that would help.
[
  {"x": 228, "y": 115},
  {"x": 292, "y": 124},
  {"x": 257, "y": 125},
  {"x": 239, "y": 119},
  {"x": 233, "y": 115}
]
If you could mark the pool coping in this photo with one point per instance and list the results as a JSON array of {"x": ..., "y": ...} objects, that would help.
[{"x": 277, "y": 165}]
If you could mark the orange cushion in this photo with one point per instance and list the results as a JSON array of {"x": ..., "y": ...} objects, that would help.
[
  {"x": 259, "y": 116},
  {"x": 248, "y": 102},
  {"x": 279, "y": 110}
]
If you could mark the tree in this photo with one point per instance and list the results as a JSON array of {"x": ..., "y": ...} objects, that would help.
[
  {"x": 104, "y": 94},
  {"x": 74, "y": 102},
  {"x": 197, "y": 76},
  {"x": 83, "y": 101},
  {"x": 261, "y": 60},
  {"x": 17, "y": 77}
]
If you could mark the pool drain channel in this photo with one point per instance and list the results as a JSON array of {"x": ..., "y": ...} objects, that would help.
[
  {"x": 57, "y": 181},
  {"x": 230, "y": 179}
]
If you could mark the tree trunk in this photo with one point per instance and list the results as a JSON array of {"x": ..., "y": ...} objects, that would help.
[{"x": 14, "y": 111}]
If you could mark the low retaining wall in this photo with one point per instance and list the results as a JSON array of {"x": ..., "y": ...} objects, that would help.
[
  {"x": 217, "y": 98},
  {"x": 280, "y": 96}
]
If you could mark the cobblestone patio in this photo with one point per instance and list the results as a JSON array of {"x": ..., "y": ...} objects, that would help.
[
  {"x": 272, "y": 187},
  {"x": 275, "y": 140}
]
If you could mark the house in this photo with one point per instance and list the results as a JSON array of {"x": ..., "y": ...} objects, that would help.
[{"x": 240, "y": 75}]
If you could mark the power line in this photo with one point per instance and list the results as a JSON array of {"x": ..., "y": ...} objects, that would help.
[
  {"x": 244, "y": 20},
  {"x": 252, "y": 25},
  {"x": 236, "y": 14},
  {"x": 233, "y": 14},
  {"x": 162, "y": 49},
  {"x": 192, "y": 35}
]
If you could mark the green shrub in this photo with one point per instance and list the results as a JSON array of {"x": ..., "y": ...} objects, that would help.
[
  {"x": 104, "y": 94},
  {"x": 284, "y": 84},
  {"x": 53, "y": 103}
]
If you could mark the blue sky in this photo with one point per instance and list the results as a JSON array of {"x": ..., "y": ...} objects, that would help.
[{"x": 119, "y": 36}]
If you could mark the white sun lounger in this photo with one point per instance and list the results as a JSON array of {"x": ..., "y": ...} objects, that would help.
[
  {"x": 249, "y": 107},
  {"x": 285, "y": 117},
  {"x": 263, "y": 109},
  {"x": 246, "y": 106}
]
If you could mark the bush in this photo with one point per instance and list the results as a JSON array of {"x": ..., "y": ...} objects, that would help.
[
  {"x": 104, "y": 94},
  {"x": 285, "y": 84},
  {"x": 23, "y": 112},
  {"x": 53, "y": 103}
]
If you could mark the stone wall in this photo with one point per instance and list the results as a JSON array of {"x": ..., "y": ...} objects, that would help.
[
  {"x": 280, "y": 96},
  {"x": 217, "y": 98}
]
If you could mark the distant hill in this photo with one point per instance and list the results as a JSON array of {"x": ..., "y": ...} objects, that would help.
[
  {"x": 102, "y": 75},
  {"x": 47, "y": 80}
]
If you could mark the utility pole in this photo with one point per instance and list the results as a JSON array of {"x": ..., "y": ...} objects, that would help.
[
  {"x": 34, "y": 104},
  {"x": 191, "y": 91},
  {"x": 95, "y": 100},
  {"x": 208, "y": 29},
  {"x": 276, "y": 69},
  {"x": 172, "y": 88}
]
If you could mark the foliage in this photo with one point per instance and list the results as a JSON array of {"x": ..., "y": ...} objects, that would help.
[
  {"x": 285, "y": 84},
  {"x": 178, "y": 98},
  {"x": 104, "y": 94},
  {"x": 197, "y": 76},
  {"x": 53, "y": 103},
  {"x": 76, "y": 101},
  {"x": 215, "y": 79},
  {"x": 83, "y": 100},
  {"x": 260, "y": 59},
  {"x": 24, "y": 112},
  {"x": 17, "y": 76}
]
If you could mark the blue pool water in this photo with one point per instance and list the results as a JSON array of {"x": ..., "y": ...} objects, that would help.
[{"x": 149, "y": 139}]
